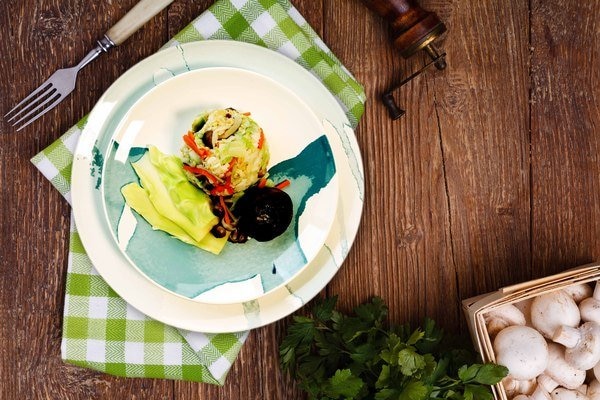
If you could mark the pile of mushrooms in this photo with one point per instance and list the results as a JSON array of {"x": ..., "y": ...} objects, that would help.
[{"x": 550, "y": 345}]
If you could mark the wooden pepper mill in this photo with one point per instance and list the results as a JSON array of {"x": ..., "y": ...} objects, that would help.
[{"x": 412, "y": 29}]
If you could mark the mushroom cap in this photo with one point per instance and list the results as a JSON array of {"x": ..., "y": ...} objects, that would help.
[
  {"x": 579, "y": 292},
  {"x": 562, "y": 372},
  {"x": 525, "y": 307},
  {"x": 500, "y": 318},
  {"x": 586, "y": 354},
  {"x": 567, "y": 394},
  {"x": 552, "y": 310},
  {"x": 507, "y": 312},
  {"x": 590, "y": 310},
  {"x": 522, "y": 350}
]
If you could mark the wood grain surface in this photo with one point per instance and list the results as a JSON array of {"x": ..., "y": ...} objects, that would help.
[{"x": 492, "y": 178}]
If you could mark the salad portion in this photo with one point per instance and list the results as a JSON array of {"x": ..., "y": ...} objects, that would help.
[
  {"x": 218, "y": 190},
  {"x": 225, "y": 152}
]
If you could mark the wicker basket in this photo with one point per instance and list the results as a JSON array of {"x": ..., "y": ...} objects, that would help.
[{"x": 476, "y": 307}]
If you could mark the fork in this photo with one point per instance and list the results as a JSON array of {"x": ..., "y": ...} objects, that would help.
[{"x": 56, "y": 88}]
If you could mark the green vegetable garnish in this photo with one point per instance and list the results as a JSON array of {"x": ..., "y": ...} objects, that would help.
[
  {"x": 168, "y": 201},
  {"x": 137, "y": 198},
  {"x": 336, "y": 356}
]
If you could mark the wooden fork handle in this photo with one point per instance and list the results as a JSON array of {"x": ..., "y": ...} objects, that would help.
[{"x": 141, "y": 13}]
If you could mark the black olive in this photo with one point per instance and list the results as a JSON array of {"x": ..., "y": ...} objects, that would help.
[{"x": 264, "y": 213}]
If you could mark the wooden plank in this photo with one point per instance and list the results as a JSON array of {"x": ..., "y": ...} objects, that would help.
[
  {"x": 565, "y": 121},
  {"x": 8, "y": 231},
  {"x": 46, "y": 35},
  {"x": 482, "y": 109}
]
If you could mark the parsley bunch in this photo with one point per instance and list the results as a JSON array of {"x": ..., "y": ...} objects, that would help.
[{"x": 336, "y": 356}]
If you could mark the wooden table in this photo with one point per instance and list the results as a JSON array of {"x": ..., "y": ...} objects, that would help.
[{"x": 492, "y": 177}]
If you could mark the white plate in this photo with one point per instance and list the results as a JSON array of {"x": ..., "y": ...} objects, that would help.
[
  {"x": 300, "y": 153},
  {"x": 128, "y": 281}
]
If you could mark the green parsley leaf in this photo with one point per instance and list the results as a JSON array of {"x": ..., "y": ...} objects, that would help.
[
  {"x": 431, "y": 338},
  {"x": 486, "y": 374},
  {"x": 384, "y": 377},
  {"x": 387, "y": 394},
  {"x": 344, "y": 384},
  {"x": 468, "y": 373},
  {"x": 410, "y": 361},
  {"x": 297, "y": 343},
  {"x": 416, "y": 336},
  {"x": 375, "y": 311},
  {"x": 414, "y": 391},
  {"x": 323, "y": 310},
  {"x": 490, "y": 374},
  {"x": 476, "y": 392},
  {"x": 365, "y": 353}
]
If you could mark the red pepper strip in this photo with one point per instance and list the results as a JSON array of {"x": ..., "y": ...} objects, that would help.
[
  {"x": 283, "y": 184},
  {"x": 262, "y": 183},
  {"x": 201, "y": 171},
  {"x": 230, "y": 167},
  {"x": 247, "y": 114},
  {"x": 191, "y": 142},
  {"x": 261, "y": 140},
  {"x": 222, "y": 190}
]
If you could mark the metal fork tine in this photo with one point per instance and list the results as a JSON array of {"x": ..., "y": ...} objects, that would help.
[
  {"x": 44, "y": 86},
  {"x": 32, "y": 102},
  {"x": 55, "y": 101}
]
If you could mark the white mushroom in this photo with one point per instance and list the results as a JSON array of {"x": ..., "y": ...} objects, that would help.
[
  {"x": 593, "y": 391},
  {"x": 538, "y": 394},
  {"x": 515, "y": 387},
  {"x": 579, "y": 292},
  {"x": 590, "y": 307},
  {"x": 559, "y": 372},
  {"x": 552, "y": 310},
  {"x": 522, "y": 350},
  {"x": 525, "y": 307},
  {"x": 500, "y": 318},
  {"x": 566, "y": 394},
  {"x": 583, "y": 344}
]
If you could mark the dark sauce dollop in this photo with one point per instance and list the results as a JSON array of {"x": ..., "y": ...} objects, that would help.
[{"x": 263, "y": 213}]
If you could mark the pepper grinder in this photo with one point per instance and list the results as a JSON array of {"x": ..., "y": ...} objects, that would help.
[{"x": 413, "y": 29}]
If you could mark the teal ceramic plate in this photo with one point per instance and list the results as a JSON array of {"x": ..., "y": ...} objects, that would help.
[
  {"x": 98, "y": 234},
  {"x": 300, "y": 152}
]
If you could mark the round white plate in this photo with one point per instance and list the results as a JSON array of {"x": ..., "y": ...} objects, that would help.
[
  {"x": 300, "y": 153},
  {"x": 128, "y": 281}
]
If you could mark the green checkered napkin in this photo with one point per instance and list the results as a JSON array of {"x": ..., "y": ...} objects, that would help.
[{"x": 100, "y": 330}]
